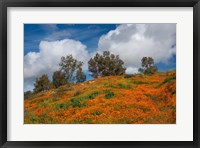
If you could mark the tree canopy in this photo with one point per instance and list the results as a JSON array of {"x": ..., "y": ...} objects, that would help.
[
  {"x": 71, "y": 67},
  {"x": 80, "y": 76},
  {"x": 58, "y": 79},
  {"x": 148, "y": 66},
  {"x": 106, "y": 65},
  {"x": 42, "y": 84}
]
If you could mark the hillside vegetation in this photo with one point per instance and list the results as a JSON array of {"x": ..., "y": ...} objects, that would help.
[{"x": 126, "y": 99}]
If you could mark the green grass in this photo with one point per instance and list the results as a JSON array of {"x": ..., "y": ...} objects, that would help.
[
  {"x": 167, "y": 80},
  {"x": 44, "y": 104},
  {"x": 81, "y": 101},
  {"x": 91, "y": 96},
  {"x": 63, "y": 105},
  {"x": 109, "y": 94},
  {"x": 110, "y": 86},
  {"x": 77, "y": 102},
  {"x": 124, "y": 86},
  {"x": 140, "y": 82},
  {"x": 47, "y": 102}
]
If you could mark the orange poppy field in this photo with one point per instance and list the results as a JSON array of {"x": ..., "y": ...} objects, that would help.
[{"x": 128, "y": 99}]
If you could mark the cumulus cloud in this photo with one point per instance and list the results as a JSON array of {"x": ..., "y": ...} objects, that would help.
[
  {"x": 130, "y": 41},
  {"x": 134, "y": 41},
  {"x": 46, "y": 61}
]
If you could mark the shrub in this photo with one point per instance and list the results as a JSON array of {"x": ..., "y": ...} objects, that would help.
[
  {"x": 92, "y": 95},
  {"x": 109, "y": 94},
  {"x": 28, "y": 94},
  {"x": 82, "y": 100},
  {"x": 42, "y": 84},
  {"x": 76, "y": 102},
  {"x": 58, "y": 79},
  {"x": 63, "y": 105}
]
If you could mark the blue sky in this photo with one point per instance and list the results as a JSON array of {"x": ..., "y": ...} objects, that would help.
[
  {"x": 44, "y": 44},
  {"x": 88, "y": 34}
]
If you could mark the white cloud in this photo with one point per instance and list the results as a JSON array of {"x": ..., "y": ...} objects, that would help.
[
  {"x": 134, "y": 41},
  {"x": 59, "y": 35},
  {"x": 131, "y": 70},
  {"x": 130, "y": 41},
  {"x": 46, "y": 61}
]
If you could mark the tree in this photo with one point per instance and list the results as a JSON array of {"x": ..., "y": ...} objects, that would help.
[
  {"x": 58, "y": 79},
  {"x": 148, "y": 66},
  {"x": 69, "y": 66},
  {"x": 27, "y": 94},
  {"x": 106, "y": 65},
  {"x": 42, "y": 84},
  {"x": 80, "y": 76}
]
